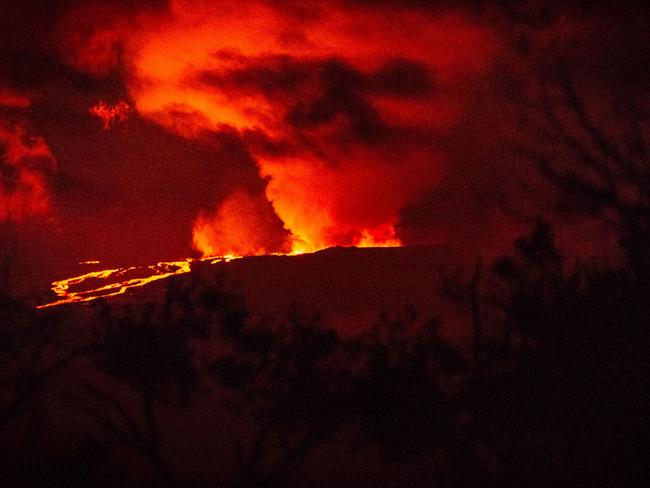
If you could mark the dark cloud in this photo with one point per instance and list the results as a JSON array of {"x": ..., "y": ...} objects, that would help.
[
  {"x": 31, "y": 24},
  {"x": 401, "y": 77},
  {"x": 274, "y": 76},
  {"x": 285, "y": 75},
  {"x": 316, "y": 92},
  {"x": 339, "y": 96},
  {"x": 428, "y": 5}
]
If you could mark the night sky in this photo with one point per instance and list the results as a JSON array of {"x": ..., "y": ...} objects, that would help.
[{"x": 138, "y": 131}]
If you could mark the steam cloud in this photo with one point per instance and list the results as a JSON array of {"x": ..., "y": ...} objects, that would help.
[{"x": 341, "y": 114}]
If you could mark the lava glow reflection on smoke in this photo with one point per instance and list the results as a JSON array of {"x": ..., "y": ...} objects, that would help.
[
  {"x": 340, "y": 109},
  {"x": 338, "y": 106}
]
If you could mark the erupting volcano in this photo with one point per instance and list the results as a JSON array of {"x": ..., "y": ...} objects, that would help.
[
  {"x": 303, "y": 243},
  {"x": 315, "y": 125},
  {"x": 112, "y": 282}
]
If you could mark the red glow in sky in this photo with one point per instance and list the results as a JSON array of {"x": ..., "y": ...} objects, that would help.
[
  {"x": 352, "y": 98},
  {"x": 278, "y": 126},
  {"x": 109, "y": 114}
]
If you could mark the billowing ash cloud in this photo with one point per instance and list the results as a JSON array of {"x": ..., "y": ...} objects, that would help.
[
  {"x": 340, "y": 106},
  {"x": 243, "y": 224}
]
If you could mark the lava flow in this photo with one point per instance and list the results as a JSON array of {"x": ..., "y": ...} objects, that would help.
[{"x": 116, "y": 281}]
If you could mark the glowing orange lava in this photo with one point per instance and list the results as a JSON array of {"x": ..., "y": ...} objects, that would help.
[{"x": 116, "y": 281}]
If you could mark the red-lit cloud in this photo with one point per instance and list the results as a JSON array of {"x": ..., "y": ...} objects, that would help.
[
  {"x": 339, "y": 105},
  {"x": 243, "y": 224},
  {"x": 110, "y": 113},
  {"x": 10, "y": 99},
  {"x": 25, "y": 164}
]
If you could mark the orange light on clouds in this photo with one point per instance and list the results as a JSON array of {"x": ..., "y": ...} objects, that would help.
[
  {"x": 258, "y": 67},
  {"x": 110, "y": 113},
  {"x": 239, "y": 227},
  {"x": 24, "y": 189}
]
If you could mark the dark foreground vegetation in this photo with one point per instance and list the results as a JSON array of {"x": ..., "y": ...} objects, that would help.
[{"x": 553, "y": 390}]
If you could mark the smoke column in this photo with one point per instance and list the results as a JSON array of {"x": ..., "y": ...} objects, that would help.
[{"x": 340, "y": 107}]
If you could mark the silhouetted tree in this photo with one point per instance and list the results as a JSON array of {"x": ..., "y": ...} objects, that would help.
[
  {"x": 562, "y": 402},
  {"x": 405, "y": 384},
  {"x": 584, "y": 118},
  {"x": 290, "y": 380},
  {"x": 149, "y": 348},
  {"x": 36, "y": 355}
]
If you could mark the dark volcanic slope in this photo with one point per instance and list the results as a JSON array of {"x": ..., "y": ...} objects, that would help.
[{"x": 349, "y": 287}]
